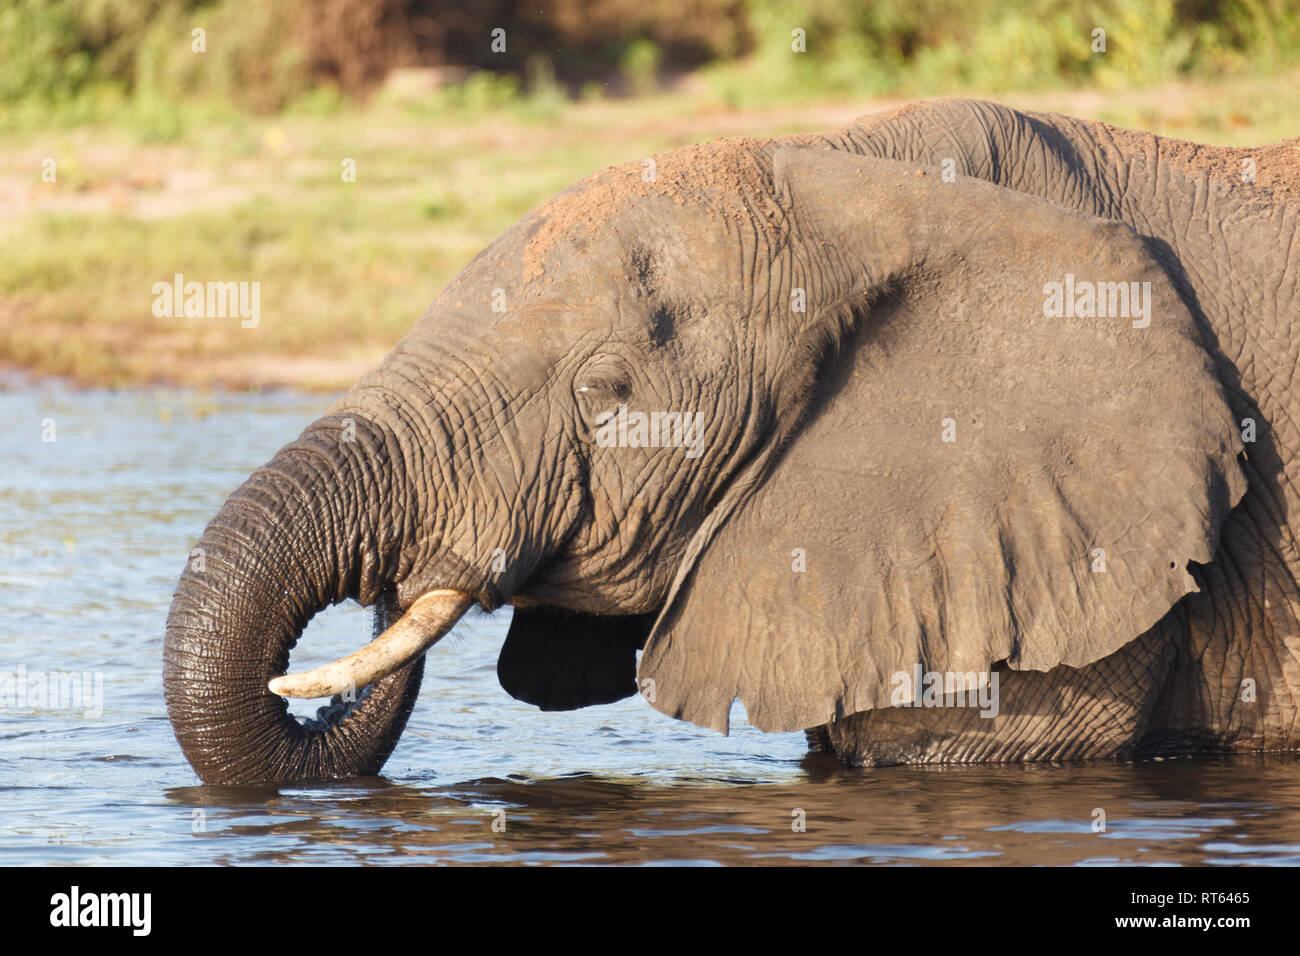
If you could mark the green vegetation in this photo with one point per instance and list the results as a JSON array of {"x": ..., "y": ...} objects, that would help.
[
  {"x": 926, "y": 47},
  {"x": 138, "y": 62}
]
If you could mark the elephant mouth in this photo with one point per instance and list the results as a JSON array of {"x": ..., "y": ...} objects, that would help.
[{"x": 429, "y": 618}]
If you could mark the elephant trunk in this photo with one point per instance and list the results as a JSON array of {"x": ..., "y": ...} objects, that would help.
[{"x": 321, "y": 522}]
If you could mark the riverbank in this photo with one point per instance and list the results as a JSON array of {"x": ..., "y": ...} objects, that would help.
[{"x": 349, "y": 224}]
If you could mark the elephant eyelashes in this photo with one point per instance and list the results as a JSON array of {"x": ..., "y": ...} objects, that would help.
[
  {"x": 598, "y": 393},
  {"x": 604, "y": 381},
  {"x": 597, "y": 390}
]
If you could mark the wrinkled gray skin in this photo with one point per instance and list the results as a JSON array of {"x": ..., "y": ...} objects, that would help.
[{"x": 828, "y": 536}]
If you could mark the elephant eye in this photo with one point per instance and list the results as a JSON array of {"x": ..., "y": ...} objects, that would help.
[
  {"x": 595, "y": 389},
  {"x": 607, "y": 381},
  {"x": 601, "y": 384}
]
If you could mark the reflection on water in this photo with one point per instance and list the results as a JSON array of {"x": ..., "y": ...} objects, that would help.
[
  {"x": 94, "y": 528},
  {"x": 1167, "y": 812}
]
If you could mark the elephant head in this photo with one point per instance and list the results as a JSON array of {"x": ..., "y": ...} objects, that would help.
[{"x": 783, "y": 418}]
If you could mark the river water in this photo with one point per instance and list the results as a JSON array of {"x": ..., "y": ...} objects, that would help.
[{"x": 95, "y": 526}]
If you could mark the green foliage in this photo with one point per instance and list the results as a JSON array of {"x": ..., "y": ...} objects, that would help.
[
  {"x": 926, "y": 47},
  {"x": 477, "y": 94},
  {"x": 132, "y": 62},
  {"x": 135, "y": 61},
  {"x": 640, "y": 64},
  {"x": 41, "y": 52}
]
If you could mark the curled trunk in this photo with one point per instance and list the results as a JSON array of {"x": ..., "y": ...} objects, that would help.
[{"x": 305, "y": 531}]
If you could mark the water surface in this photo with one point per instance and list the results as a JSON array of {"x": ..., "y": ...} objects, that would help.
[{"x": 94, "y": 529}]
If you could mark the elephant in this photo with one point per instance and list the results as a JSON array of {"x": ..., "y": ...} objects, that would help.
[{"x": 813, "y": 424}]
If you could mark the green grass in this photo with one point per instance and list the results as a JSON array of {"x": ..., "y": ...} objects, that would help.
[{"x": 346, "y": 268}]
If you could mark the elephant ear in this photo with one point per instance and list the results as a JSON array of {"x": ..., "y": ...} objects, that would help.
[
  {"x": 978, "y": 481},
  {"x": 557, "y": 659}
]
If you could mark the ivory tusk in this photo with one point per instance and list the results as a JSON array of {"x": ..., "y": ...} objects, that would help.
[{"x": 431, "y": 616}]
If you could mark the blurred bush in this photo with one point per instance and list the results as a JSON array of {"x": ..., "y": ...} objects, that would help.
[
  {"x": 80, "y": 59},
  {"x": 59, "y": 52},
  {"x": 930, "y": 46}
]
